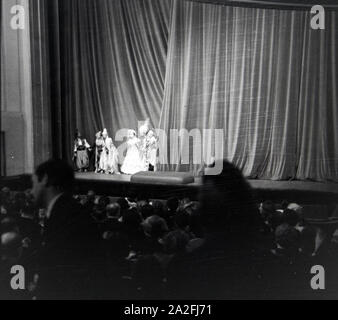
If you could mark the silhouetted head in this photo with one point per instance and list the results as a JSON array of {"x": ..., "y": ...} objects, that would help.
[
  {"x": 182, "y": 219},
  {"x": 91, "y": 196},
  {"x": 113, "y": 210},
  {"x": 175, "y": 242},
  {"x": 124, "y": 205},
  {"x": 147, "y": 211},
  {"x": 10, "y": 246},
  {"x": 172, "y": 204},
  {"x": 155, "y": 227},
  {"x": 53, "y": 176},
  {"x": 287, "y": 237},
  {"x": 291, "y": 217},
  {"x": 131, "y": 219}
]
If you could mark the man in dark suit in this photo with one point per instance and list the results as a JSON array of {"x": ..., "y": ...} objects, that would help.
[{"x": 70, "y": 238}]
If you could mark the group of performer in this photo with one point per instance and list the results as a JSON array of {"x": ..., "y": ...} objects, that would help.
[{"x": 141, "y": 152}]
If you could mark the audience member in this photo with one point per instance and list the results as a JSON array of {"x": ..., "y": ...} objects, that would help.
[{"x": 213, "y": 248}]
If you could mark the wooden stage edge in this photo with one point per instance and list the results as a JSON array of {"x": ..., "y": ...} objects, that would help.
[
  {"x": 307, "y": 191},
  {"x": 124, "y": 178}
]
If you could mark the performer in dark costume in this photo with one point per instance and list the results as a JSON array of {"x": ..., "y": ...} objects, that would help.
[{"x": 80, "y": 157}]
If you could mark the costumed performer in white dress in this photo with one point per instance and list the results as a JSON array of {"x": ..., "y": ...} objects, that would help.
[{"x": 133, "y": 162}]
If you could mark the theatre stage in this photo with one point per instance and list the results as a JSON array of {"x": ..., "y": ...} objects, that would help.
[{"x": 121, "y": 185}]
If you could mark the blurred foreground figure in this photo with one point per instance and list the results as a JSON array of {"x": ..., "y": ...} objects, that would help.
[
  {"x": 63, "y": 261},
  {"x": 224, "y": 265}
]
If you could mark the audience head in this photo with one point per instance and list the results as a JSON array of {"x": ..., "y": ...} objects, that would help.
[
  {"x": 175, "y": 242},
  {"x": 141, "y": 203},
  {"x": 103, "y": 202},
  {"x": 287, "y": 238},
  {"x": 5, "y": 193},
  {"x": 99, "y": 213},
  {"x": 147, "y": 211},
  {"x": 283, "y": 205},
  {"x": 182, "y": 219},
  {"x": 172, "y": 204},
  {"x": 131, "y": 219},
  {"x": 132, "y": 196},
  {"x": 5, "y": 196},
  {"x": 11, "y": 246},
  {"x": 291, "y": 217},
  {"x": 3, "y": 210},
  {"x": 28, "y": 194},
  {"x": 113, "y": 210},
  {"x": 297, "y": 208},
  {"x": 124, "y": 205},
  {"x": 276, "y": 218},
  {"x": 51, "y": 178},
  {"x": 8, "y": 224},
  {"x": 184, "y": 203},
  {"x": 91, "y": 196},
  {"x": 267, "y": 208},
  {"x": 155, "y": 227}
]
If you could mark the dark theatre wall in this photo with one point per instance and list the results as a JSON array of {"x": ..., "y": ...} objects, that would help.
[{"x": 16, "y": 105}]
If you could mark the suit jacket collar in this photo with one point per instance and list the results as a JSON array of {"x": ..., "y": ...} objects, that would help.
[{"x": 51, "y": 205}]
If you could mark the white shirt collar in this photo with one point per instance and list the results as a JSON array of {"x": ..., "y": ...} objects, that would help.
[{"x": 51, "y": 205}]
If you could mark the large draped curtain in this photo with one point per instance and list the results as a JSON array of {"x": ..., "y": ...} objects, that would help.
[
  {"x": 112, "y": 61},
  {"x": 263, "y": 76}
]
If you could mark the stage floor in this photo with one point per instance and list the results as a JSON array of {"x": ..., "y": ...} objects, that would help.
[
  {"x": 325, "y": 187},
  {"x": 305, "y": 192},
  {"x": 123, "y": 178},
  {"x": 304, "y": 186}
]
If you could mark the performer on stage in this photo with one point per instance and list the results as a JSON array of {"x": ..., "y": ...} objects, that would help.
[
  {"x": 98, "y": 151},
  {"x": 81, "y": 148},
  {"x": 113, "y": 159},
  {"x": 109, "y": 155},
  {"x": 144, "y": 129},
  {"x": 151, "y": 149},
  {"x": 143, "y": 148},
  {"x": 133, "y": 161}
]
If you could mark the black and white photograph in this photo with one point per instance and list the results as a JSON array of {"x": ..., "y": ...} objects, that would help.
[{"x": 168, "y": 155}]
